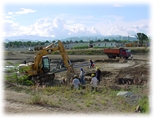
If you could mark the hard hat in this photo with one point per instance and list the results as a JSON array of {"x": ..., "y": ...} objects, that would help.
[
  {"x": 75, "y": 76},
  {"x": 97, "y": 68},
  {"x": 92, "y": 75},
  {"x": 81, "y": 68}
]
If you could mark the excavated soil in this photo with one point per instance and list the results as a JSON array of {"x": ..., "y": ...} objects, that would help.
[{"x": 115, "y": 74}]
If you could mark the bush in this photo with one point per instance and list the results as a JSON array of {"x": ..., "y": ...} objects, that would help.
[
  {"x": 89, "y": 53},
  {"x": 36, "y": 99},
  {"x": 24, "y": 81},
  {"x": 71, "y": 52},
  {"x": 14, "y": 76}
]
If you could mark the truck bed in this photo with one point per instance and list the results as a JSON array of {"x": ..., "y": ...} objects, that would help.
[{"x": 112, "y": 51}]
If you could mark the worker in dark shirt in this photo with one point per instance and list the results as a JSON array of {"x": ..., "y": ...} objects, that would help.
[
  {"x": 91, "y": 63},
  {"x": 98, "y": 74}
]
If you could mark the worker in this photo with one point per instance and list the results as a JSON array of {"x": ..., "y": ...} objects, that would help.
[
  {"x": 94, "y": 83},
  {"x": 25, "y": 62},
  {"x": 81, "y": 75},
  {"x": 63, "y": 80},
  {"x": 98, "y": 74},
  {"x": 76, "y": 82},
  {"x": 91, "y": 63}
]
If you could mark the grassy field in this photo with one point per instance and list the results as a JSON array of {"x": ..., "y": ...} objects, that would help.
[
  {"x": 83, "y": 100},
  {"x": 97, "y": 51}
]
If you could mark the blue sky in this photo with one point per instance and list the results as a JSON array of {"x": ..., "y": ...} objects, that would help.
[{"x": 65, "y": 20}]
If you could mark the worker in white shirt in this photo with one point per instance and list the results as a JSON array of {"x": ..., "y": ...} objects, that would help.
[
  {"x": 94, "y": 83},
  {"x": 76, "y": 82}
]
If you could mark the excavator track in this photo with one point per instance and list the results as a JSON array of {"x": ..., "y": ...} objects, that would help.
[{"x": 44, "y": 79}]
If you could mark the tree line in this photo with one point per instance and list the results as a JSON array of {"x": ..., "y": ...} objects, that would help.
[{"x": 142, "y": 39}]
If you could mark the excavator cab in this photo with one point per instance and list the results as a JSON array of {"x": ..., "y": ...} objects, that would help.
[{"x": 45, "y": 64}]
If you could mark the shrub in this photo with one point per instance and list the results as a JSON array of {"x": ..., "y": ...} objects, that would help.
[
  {"x": 36, "y": 99},
  {"x": 89, "y": 53}
]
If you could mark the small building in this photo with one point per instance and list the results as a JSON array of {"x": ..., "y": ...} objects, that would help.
[
  {"x": 92, "y": 44},
  {"x": 73, "y": 45},
  {"x": 107, "y": 44},
  {"x": 104, "y": 44}
]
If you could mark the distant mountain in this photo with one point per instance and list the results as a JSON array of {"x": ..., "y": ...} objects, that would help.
[
  {"x": 28, "y": 38},
  {"x": 76, "y": 38},
  {"x": 101, "y": 37}
]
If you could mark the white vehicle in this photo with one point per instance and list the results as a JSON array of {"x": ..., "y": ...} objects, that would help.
[
  {"x": 31, "y": 49},
  {"x": 10, "y": 68}
]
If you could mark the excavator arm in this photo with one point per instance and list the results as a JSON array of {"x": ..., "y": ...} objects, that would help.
[{"x": 49, "y": 49}]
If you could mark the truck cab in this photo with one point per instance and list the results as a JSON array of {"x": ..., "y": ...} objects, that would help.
[{"x": 125, "y": 53}]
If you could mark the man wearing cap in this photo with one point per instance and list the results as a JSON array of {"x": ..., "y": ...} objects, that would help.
[
  {"x": 94, "y": 82},
  {"x": 81, "y": 75},
  {"x": 76, "y": 82}
]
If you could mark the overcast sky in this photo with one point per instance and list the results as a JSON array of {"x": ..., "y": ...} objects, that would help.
[{"x": 76, "y": 19}]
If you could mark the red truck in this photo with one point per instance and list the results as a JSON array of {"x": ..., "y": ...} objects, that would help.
[{"x": 118, "y": 52}]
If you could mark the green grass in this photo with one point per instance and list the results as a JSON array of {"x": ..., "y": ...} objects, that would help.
[
  {"x": 144, "y": 103},
  {"x": 36, "y": 99}
]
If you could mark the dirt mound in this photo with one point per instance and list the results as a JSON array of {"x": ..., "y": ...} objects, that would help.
[{"x": 138, "y": 74}]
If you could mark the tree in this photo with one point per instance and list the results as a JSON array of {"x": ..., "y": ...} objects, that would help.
[
  {"x": 64, "y": 42},
  {"x": 91, "y": 41},
  {"x": 113, "y": 40},
  {"x": 107, "y": 40},
  {"x": 76, "y": 41},
  {"x": 29, "y": 43},
  {"x": 81, "y": 41},
  {"x": 99, "y": 40},
  {"x": 47, "y": 41},
  {"x": 143, "y": 38},
  {"x": 67, "y": 42},
  {"x": 53, "y": 41}
]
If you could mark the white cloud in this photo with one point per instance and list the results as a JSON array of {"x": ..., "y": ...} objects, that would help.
[
  {"x": 95, "y": 31},
  {"x": 25, "y": 11},
  {"x": 113, "y": 25},
  {"x": 59, "y": 22},
  {"x": 10, "y": 13},
  {"x": 60, "y": 29},
  {"x": 118, "y": 5},
  {"x": 13, "y": 29},
  {"x": 22, "y": 11},
  {"x": 10, "y": 27}
]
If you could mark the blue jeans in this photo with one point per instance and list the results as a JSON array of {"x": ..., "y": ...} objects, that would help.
[{"x": 82, "y": 80}]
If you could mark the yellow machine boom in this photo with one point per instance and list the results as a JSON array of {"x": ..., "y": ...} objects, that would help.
[{"x": 35, "y": 68}]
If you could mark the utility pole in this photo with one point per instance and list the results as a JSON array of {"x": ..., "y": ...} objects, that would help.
[{"x": 128, "y": 37}]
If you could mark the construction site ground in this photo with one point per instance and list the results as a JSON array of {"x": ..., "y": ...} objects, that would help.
[{"x": 116, "y": 76}]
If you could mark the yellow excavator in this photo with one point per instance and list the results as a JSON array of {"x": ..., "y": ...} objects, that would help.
[{"x": 40, "y": 71}]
